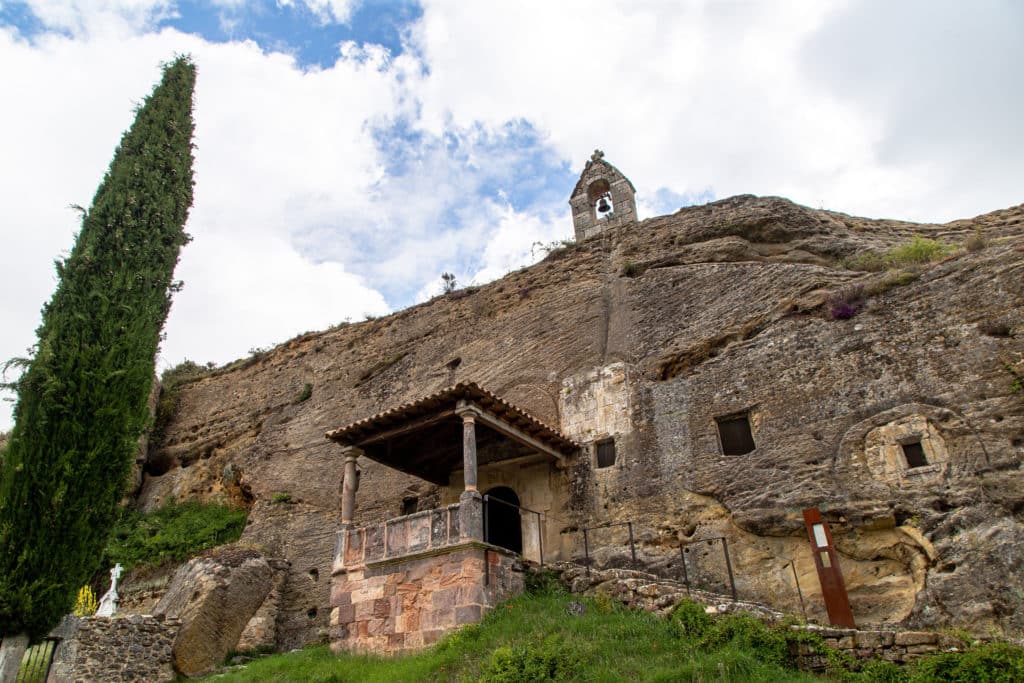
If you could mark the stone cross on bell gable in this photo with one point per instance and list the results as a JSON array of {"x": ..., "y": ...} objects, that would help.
[{"x": 597, "y": 155}]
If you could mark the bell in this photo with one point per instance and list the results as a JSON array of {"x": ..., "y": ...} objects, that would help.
[{"x": 603, "y": 206}]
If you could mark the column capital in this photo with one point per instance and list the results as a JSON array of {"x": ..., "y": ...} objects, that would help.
[
  {"x": 352, "y": 453},
  {"x": 467, "y": 411}
]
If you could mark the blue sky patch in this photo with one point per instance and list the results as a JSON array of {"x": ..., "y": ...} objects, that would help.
[
  {"x": 294, "y": 29},
  {"x": 18, "y": 15}
]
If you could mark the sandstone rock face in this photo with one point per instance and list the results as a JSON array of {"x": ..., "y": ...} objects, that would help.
[
  {"x": 214, "y": 597},
  {"x": 261, "y": 631},
  {"x": 649, "y": 335}
]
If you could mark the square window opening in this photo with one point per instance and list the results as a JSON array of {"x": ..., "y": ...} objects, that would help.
[
  {"x": 914, "y": 453},
  {"x": 605, "y": 453},
  {"x": 734, "y": 433},
  {"x": 409, "y": 505}
]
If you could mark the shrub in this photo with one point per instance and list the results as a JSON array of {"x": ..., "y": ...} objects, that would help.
[
  {"x": 976, "y": 242},
  {"x": 281, "y": 498},
  {"x": 305, "y": 394},
  {"x": 1017, "y": 386},
  {"x": 631, "y": 269},
  {"x": 172, "y": 534},
  {"x": 448, "y": 283},
  {"x": 996, "y": 328},
  {"x": 846, "y": 302},
  {"x": 917, "y": 251},
  {"x": 992, "y": 662},
  {"x": 769, "y": 645},
  {"x": 881, "y": 671},
  {"x": 548, "y": 660},
  {"x": 690, "y": 620},
  {"x": 868, "y": 261},
  {"x": 543, "y": 582},
  {"x": 85, "y": 603}
]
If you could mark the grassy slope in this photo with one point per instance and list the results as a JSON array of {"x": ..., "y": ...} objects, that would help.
[{"x": 531, "y": 633}]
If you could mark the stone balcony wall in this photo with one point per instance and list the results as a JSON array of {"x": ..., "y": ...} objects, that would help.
[
  {"x": 398, "y": 537},
  {"x": 403, "y": 584}
]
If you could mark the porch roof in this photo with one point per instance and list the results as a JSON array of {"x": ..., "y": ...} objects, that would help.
[{"x": 424, "y": 438}]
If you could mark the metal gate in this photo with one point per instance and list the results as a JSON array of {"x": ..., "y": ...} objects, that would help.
[{"x": 35, "y": 665}]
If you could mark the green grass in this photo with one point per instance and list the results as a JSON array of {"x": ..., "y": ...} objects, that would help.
[
  {"x": 172, "y": 534},
  {"x": 535, "y": 638}
]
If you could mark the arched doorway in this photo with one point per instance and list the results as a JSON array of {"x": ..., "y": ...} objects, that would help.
[{"x": 503, "y": 525}]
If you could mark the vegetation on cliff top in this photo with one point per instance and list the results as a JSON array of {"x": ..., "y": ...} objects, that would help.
[{"x": 83, "y": 400}]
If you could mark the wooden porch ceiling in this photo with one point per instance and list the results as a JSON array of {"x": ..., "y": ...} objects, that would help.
[{"x": 424, "y": 438}]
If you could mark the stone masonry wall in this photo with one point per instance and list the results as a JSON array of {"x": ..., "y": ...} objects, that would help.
[
  {"x": 127, "y": 649},
  {"x": 410, "y": 603}
]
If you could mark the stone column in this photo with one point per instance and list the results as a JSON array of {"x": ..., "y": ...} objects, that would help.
[
  {"x": 470, "y": 502},
  {"x": 469, "y": 448},
  {"x": 349, "y": 485}
]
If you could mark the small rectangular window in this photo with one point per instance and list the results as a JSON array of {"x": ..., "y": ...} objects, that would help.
[
  {"x": 735, "y": 435},
  {"x": 409, "y": 505},
  {"x": 605, "y": 453},
  {"x": 914, "y": 454}
]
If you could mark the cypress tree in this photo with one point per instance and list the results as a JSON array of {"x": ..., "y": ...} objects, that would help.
[{"x": 83, "y": 398}]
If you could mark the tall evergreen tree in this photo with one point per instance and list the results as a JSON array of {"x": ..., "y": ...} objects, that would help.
[{"x": 83, "y": 398}]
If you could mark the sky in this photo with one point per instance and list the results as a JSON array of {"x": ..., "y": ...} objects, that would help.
[{"x": 348, "y": 152}]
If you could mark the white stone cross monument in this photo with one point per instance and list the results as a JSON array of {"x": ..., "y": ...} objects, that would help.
[{"x": 108, "y": 603}]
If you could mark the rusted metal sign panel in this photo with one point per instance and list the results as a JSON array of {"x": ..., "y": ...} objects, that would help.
[{"x": 833, "y": 588}]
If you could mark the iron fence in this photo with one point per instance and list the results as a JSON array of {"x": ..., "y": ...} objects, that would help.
[{"x": 685, "y": 550}]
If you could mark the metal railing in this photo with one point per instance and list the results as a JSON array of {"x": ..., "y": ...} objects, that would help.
[
  {"x": 684, "y": 549},
  {"x": 487, "y": 500},
  {"x": 586, "y": 540}
]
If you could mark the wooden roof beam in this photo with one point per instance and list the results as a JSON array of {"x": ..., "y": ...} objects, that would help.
[{"x": 511, "y": 432}]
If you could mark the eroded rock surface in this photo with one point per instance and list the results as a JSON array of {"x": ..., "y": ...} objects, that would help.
[
  {"x": 215, "y": 597},
  {"x": 713, "y": 311}
]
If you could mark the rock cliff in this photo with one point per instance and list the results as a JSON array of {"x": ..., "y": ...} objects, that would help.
[{"x": 713, "y": 311}]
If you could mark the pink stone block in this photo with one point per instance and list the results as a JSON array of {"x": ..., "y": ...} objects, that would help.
[
  {"x": 340, "y": 593},
  {"x": 432, "y": 636},
  {"x": 375, "y": 627},
  {"x": 381, "y": 608},
  {"x": 414, "y": 640},
  {"x": 363, "y": 610}
]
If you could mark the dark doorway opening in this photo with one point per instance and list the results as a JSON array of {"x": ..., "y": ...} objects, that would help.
[{"x": 503, "y": 526}]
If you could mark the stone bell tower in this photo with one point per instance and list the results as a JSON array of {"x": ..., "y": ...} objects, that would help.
[{"x": 603, "y": 198}]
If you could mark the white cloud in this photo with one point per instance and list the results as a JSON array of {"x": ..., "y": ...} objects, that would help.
[
  {"x": 327, "y": 11},
  {"x": 275, "y": 147},
  {"x": 692, "y": 95},
  {"x": 108, "y": 17},
  {"x": 319, "y": 190}
]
